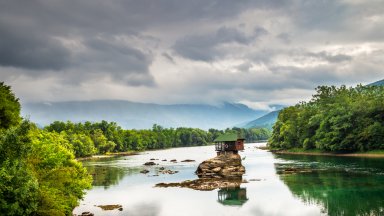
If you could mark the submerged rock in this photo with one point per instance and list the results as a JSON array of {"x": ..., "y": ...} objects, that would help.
[
  {"x": 222, "y": 166},
  {"x": 188, "y": 160},
  {"x": 86, "y": 214},
  {"x": 144, "y": 171},
  {"x": 168, "y": 172},
  {"x": 204, "y": 184},
  {"x": 110, "y": 207},
  {"x": 150, "y": 163}
]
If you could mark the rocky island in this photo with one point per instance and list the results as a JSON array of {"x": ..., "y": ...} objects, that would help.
[
  {"x": 222, "y": 166},
  {"x": 223, "y": 171}
]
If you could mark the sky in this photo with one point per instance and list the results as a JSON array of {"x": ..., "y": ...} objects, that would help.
[{"x": 257, "y": 52}]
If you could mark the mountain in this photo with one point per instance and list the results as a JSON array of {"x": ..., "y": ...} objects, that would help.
[
  {"x": 377, "y": 83},
  {"x": 265, "y": 121},
  {"x": 140, "y": 115}
]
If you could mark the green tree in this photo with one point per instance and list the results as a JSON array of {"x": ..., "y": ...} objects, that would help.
[
  {"x": 335, "y": 119},
  {"x": 38, "y": 174},
  {"x": 9, "y": 107}
]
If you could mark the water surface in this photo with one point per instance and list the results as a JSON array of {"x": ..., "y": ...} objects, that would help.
[{"x": 319, "y": 185}]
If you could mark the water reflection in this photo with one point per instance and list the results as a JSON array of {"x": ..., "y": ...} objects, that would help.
[
  {"x": 303, "y": 185},
  {"x": 340, "y": 186},
  {"x": 106, "y": 175},
  {"x": 232, "y": 196}
]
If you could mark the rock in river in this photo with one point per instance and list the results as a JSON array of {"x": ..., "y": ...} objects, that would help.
[
  {"x": 188, "y": 160},
  {"x": 86, "y": 214},
  {"x": 222, "y": 166},
  {"x": 204, "y": 184},
  {"x": 150, "y": 163},
  {"x": 223, "y": 171}
]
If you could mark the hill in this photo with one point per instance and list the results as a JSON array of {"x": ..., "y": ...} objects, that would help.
[
  {"x": 266, "y": 121},
  {"x": 141, "y": 115},
  {"x": 377, "y": 83}
]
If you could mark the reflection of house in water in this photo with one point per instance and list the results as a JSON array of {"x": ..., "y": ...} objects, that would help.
[{"x": 232, "y": 196}]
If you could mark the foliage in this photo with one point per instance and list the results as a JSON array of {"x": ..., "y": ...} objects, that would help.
[
  {"x": 38, "y": 172},
  {"x": 336, "y": 119},
  {"x": 9, "y": 107},
  {"x": 39, "y": 175},
  {"x": 88, "y": 138}
]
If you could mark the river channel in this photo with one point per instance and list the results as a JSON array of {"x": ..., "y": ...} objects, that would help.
[{"x": 277, "y": 185}]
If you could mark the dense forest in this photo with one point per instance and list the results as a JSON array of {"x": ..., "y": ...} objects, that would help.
[
  {"x": 97, "y": 138},
  {"x": 39, "y": 174},
  {"x": 335, "y": 119}
]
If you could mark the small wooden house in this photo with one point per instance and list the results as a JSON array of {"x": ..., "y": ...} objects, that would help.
[{"x": 229, "y": 142}]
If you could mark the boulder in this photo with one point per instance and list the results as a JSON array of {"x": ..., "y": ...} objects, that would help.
[
  {"x": 150, "y": 163},
  {"x": 222, "y": 166}
]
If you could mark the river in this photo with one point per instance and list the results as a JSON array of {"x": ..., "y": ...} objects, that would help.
[{"x": 277, "y": 185}]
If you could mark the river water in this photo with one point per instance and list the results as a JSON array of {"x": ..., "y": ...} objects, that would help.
[{"x": 277, "y": 185}]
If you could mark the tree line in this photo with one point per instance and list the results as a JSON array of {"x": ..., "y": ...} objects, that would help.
[
  {"x": 89, "y": 138},
  {"x": 336, "y": 119}
]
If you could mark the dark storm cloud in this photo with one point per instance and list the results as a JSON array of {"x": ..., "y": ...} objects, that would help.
[
  {"x": 168, "y": 57},
  {"x": 205, "y": 47},
  {"x": 29, "y": 30},
  {"x": 331, "y": 58},
  {"x": 30, "y": 50},
  {"x": 159, "y": 47},
  {"x": 114, "y": 54},
  {"x": 260, "y": 31},
  {"x": 324, "y": 14},
  {"x": 285, "y": 37}
]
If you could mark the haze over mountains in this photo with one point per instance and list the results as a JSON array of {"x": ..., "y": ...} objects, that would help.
[
  {"x": 133, "y": 115},
  {"x": 141, "y": 115}
]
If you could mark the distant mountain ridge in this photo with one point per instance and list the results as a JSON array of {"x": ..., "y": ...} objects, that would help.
[
  {"x": 265, "y": 121},
  {"x": 132, "y": 115},
  {"x": 377, "y": 83}
]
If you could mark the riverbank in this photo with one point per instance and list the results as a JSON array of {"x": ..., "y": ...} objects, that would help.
[
  {"x": 108, "y": 155},
  {"x": 296, "y": 151}
]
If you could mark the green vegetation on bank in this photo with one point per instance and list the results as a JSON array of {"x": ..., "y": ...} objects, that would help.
[
  {"x": 38, "y": 171},
  {"x": 334, "y": 120},
  {"x": 88, "y": 138}
]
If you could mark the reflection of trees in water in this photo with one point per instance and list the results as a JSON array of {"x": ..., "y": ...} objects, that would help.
[
  {"x": 340, "y": 190},
  {"x": 232, "y": 196},
  {"x": 108, "y": 175}
]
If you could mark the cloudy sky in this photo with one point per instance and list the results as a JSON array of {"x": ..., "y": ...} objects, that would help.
[{"x": 258, "y": 52}]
